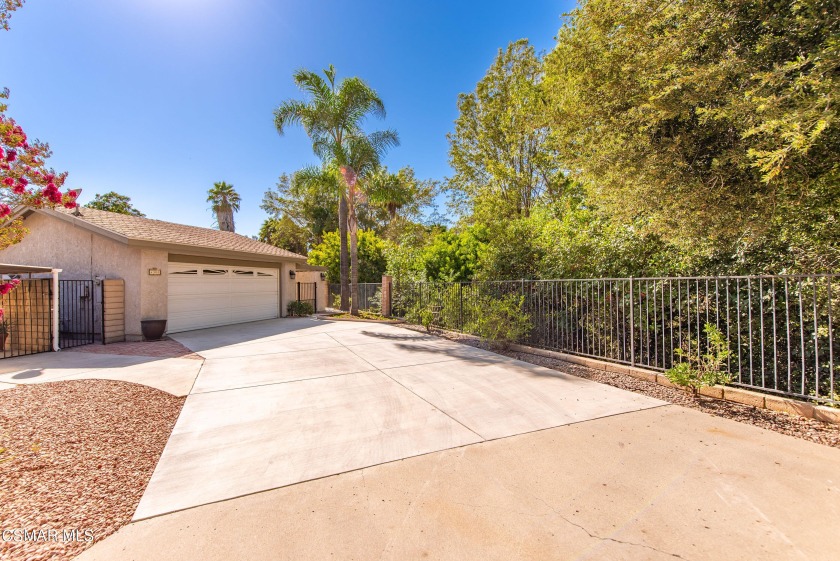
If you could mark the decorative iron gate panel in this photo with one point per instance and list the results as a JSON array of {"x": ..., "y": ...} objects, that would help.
[
  {"x": 27, "y": 319},
  {"x": 75, "y": 315},
  {"x": 308, "y": 292}
]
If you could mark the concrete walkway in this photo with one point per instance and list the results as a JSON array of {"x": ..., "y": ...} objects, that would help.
[
  {"x": 284, "y": 401},
  {"x": 172, "y": 375}
]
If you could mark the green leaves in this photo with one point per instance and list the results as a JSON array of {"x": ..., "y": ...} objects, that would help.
[
  {"x": 500, "y": 152},
  {"x": 114, "y": 202},
  {"x": 707, "y": 122},
  {"x": 371, "y": 256}
]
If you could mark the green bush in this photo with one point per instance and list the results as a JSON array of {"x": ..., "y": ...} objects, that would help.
[
  {"x": 699, "y": 370},
  {"x": 501, "y": 320},
  {"x": 421, "y": 315},
  {"x": 298, "y": 309}
]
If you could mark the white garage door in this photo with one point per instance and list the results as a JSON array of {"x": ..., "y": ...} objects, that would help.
[{"x": 210, "y": 295}]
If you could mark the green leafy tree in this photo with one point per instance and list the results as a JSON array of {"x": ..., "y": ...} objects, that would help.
[
  {"x": 455, "y": 257},
  {"x": 710, "y": 123},
  {"x": 114, "y": 202},
  {"x": 500, "y": 152},
  {"x": 372, "y": 262},
  {"x": 285, "y": 234},
  {"x": 224, "y": 202},
  {"x": 309, "y": 198},
  {"x": 332, "y": 116}
]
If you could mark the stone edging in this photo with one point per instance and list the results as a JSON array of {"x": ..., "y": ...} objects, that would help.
[{"x": 738, "y": 395}]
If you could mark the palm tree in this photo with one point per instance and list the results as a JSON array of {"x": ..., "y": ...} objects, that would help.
[
  {"x": 225, "y": 201},
  {"x": 391, "y": 190},
  {"x": 331, "y": 115},
  {"x": 364, "y": 154}
]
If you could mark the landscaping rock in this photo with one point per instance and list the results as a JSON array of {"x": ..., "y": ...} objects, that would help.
[{"x": 78, "y": 455}]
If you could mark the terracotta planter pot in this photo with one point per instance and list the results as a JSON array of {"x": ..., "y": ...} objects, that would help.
[{"x": 153, "y": 329}]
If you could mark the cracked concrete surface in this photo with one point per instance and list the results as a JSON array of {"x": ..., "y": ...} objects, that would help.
[{"x": 661, "y": 484}]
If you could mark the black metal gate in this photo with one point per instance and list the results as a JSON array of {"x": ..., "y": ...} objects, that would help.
[
  {"x": 307, "y": 292},
  {"x": 75, "y": 316},
  {"x": 26, "y": 326}
]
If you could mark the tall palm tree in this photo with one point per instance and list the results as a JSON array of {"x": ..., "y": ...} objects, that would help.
[
  {"x": 364, "y": 154},
  {"x": 224, "y": 202},
  {"x": 331, "y": 115}
]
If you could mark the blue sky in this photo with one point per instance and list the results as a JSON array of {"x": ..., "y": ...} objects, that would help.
[{"x": 158, "y": 99}]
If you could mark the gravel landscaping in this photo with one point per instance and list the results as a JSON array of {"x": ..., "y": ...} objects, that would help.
[
  {"x": 77, "y": 456},
  {"x": 792, "y": 425}
]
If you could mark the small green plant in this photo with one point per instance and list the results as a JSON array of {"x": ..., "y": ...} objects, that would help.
[
  {"x": 422, "y": 315},
  {"x": 298, "y": 309},
  {"x": 698, "y": 370},
  {"x": 501, "y": 321}
]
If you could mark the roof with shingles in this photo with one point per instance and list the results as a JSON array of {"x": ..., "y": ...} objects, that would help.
[{"x": 158, "y": 231}]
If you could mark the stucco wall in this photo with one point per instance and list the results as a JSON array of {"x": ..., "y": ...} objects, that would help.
[
  {"x": 153, "y": 288},
  {"x": 82, "y": 255},
  {"x": 288, "y": 288}
]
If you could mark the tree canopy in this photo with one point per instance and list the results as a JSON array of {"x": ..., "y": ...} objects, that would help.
[
  {"x": 114, "y": 202},
  {"x": 710, "y": 123}
]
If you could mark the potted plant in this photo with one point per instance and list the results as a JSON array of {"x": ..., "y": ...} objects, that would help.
[{"x": 153, "y": 329}]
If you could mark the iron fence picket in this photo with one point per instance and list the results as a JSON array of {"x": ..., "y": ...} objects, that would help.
[{"x": 644, "y": 321}]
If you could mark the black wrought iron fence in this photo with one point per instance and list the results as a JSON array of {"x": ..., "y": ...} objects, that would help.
[
  {"x": 76, "y": 316},
  {"x": 780, "y": 329},
  {"x": 370, "y": 296}
]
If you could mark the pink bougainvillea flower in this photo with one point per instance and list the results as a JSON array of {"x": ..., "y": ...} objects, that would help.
[
  {"x": 11, "y": 156},
  {"x": 72, "y": 194},
  {"x": 5, "y": 210},
  {"x": 9, "y": 181}
]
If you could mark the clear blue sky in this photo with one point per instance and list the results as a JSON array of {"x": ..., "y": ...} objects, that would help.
[{"x": 158, "y": 99}]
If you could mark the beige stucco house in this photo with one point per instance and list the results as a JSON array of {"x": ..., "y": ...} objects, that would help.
[{"x": 193, "y": 277}]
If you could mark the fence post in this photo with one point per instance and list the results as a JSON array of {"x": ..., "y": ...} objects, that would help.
[
  {"x": 460, "y": 306},
  {"x": 385, "y": 296},
  {"x": 632, "y": 325}
]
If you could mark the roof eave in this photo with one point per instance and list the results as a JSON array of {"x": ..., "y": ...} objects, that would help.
[{"x": 201, "y": 251}]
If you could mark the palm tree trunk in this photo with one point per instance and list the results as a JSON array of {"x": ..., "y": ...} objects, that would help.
[
  {"x": 344, "y": 257},
  {"x": 354, "y": 261}
]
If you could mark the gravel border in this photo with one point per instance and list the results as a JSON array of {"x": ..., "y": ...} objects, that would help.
[
  {"x": 791, "y": 425},
  {"x": 78, "y": 456}
]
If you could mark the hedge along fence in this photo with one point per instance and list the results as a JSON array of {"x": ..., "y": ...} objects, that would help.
[{"x": 780, "y": 329}]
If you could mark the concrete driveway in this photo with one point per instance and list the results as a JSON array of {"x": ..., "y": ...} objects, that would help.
[
  {"x": 284, "y": 401},
  {"x": 172, "y": 375}
]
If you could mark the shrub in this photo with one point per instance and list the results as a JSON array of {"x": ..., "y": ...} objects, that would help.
[
  {"x": 699, "y": 370},
  {"x": 297, "y": 308},
  {"x": 501, "y": 320},
  {"x": 422, "y": 315}
]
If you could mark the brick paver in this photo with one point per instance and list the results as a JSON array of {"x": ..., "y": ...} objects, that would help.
[{"x": 165, "y": 348}]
